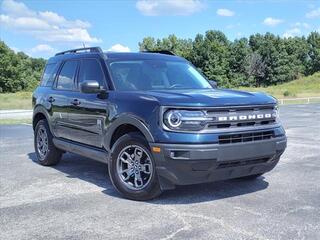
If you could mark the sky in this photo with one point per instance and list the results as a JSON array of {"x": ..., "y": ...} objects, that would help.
[{"x": 41, "y": 28}]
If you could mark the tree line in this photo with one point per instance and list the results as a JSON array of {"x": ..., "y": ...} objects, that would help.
[
  {"x": 18, "y": 71},
  {"x": 260, "y": 60}
]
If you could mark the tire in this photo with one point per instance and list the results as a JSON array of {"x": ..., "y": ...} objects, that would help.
[
  {"x": 252, "y": 177},
  {"x": 47, "y": 154},
  {"x": 130, "y": 155}
]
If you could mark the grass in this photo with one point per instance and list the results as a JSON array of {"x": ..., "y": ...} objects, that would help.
[
  {"x": 19, "y": 100},
  {"x": 302, "y": 87},
  {"x": 15, "y": 121}
]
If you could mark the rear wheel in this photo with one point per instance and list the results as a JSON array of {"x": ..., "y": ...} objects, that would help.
[
  {"x": 132, "y": 168},
  {"x": 46, "y": 152}
]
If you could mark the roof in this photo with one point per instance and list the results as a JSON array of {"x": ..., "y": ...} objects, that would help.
[
  {"x": 141, "y": 55},
  {"x": 116, "y": 56}
]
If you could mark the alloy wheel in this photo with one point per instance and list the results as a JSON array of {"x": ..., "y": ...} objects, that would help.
[
  {"x": 42, "y": 142},
  {"x": 134, "y": 167}
]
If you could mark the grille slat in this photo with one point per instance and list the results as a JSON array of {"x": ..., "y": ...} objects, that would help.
[{"x": 245, "y": 137}]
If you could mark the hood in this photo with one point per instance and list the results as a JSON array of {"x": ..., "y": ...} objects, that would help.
[{"x": 209, "y": 97}]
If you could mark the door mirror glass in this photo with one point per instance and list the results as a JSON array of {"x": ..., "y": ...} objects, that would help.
[
  {"x": 90, "y": 86},
  {"x": 213, "y": 83}
]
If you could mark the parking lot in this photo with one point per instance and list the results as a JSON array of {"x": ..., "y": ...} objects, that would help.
[{"x": 75, "y": 199}]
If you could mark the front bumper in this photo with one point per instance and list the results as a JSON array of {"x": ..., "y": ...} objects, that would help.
[{"x": 184, "y": 164}]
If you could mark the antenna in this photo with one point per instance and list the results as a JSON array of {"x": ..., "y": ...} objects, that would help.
[{"x": 84, "y": 45}]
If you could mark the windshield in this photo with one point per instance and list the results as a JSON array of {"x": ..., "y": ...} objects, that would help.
[{"x": 156, "y": 75}]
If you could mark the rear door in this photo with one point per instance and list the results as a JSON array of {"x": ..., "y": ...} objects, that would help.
[
  {"x": 61, "y": 96},
  {"x": 88, "y": 114}
]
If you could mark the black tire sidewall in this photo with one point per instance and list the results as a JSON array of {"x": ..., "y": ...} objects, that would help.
[{"x": 152, "y": 189}]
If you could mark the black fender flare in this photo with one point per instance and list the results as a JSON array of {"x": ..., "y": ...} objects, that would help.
[
  {"x": 41, "y": 109},
  {"x": 127, "y": 119}
]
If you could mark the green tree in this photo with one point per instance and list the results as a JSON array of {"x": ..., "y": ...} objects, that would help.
[
  {"x": 181, "y": 47},
  {"x": 211, "y": 53},
  {"x": 314, "y": 52},
  {"x": 256, "y": 69},
  {"x": 239, "y": 63},
  {"x": 279, "y": 66},
  {"x": 148, "y": 44},
  {"x": 10, "y": 70},
  {"x": 297, "y": 49},
  {"x": 261, "y": 60},
  {"x": 18, "y": 71}
]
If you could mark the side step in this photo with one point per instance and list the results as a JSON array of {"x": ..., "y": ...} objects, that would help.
[{"x": 83, "y": 150}]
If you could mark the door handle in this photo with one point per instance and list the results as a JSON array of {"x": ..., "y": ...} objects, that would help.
[
  {"x": 75, "y": 102},
  {"x": 51, "y": 99}
]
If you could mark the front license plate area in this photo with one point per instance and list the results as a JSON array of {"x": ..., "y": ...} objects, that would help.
[{"x": 247, "y": 151}]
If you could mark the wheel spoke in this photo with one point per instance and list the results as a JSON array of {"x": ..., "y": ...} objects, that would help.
[
  {"x": 146, "y": 168},
  {"x": 125, "y": 160},
  {"x": 138, "y": 180},
  {"x": 41, "y": 134},
  {"x": 127, "y": 155},
  {"x": 128, "y": 172},
  {"x": 40, "y": 143},
  {"x": 137, "y": 154}
]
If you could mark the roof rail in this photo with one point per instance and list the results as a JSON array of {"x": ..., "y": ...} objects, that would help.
[
  {"x": 89, "y": 49},
  {"x": 167, "y": 52}
]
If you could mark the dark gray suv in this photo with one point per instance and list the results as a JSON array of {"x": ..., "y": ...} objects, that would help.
[{"x": 154, "y": 119}]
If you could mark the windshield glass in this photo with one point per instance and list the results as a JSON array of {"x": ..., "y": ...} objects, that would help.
[{"x": 156, "y": 75}]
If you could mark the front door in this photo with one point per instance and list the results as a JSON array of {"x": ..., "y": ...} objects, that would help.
[{"x": 89, "y": 112}]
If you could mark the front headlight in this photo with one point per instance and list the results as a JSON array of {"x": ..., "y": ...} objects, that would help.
[{"x": 184, "y": 120}]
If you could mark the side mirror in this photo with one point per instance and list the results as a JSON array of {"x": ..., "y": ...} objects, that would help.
[
  {"x": 213, "y": 83},
  {"x": 90, "y": 86}
]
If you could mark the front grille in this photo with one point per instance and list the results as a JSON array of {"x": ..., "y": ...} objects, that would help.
[
  {"x": 230, "y": 164},
  {"x": 241, "y": 116},
  {"x": 245, "y": 137}
]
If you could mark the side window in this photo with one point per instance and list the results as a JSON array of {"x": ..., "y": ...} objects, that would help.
[
  {"x": 91, "y": 70},
  {"x": 48, "y": 75},
  {"x": 66, "y": 76}
]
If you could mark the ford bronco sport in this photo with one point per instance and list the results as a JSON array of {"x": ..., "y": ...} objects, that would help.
[{"x": 154, "y": 119}]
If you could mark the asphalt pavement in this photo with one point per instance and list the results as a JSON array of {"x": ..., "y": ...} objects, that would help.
[{"x": 76, "y": 200}]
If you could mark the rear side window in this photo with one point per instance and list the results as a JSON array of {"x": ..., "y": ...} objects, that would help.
[
  {"x": 91, "y": 70},
  {"x": 67, "y": 74},
  {"x": 49, "y": 75}
]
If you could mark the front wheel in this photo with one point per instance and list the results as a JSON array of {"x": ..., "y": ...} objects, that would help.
[{"x": 132, "y": 168}]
